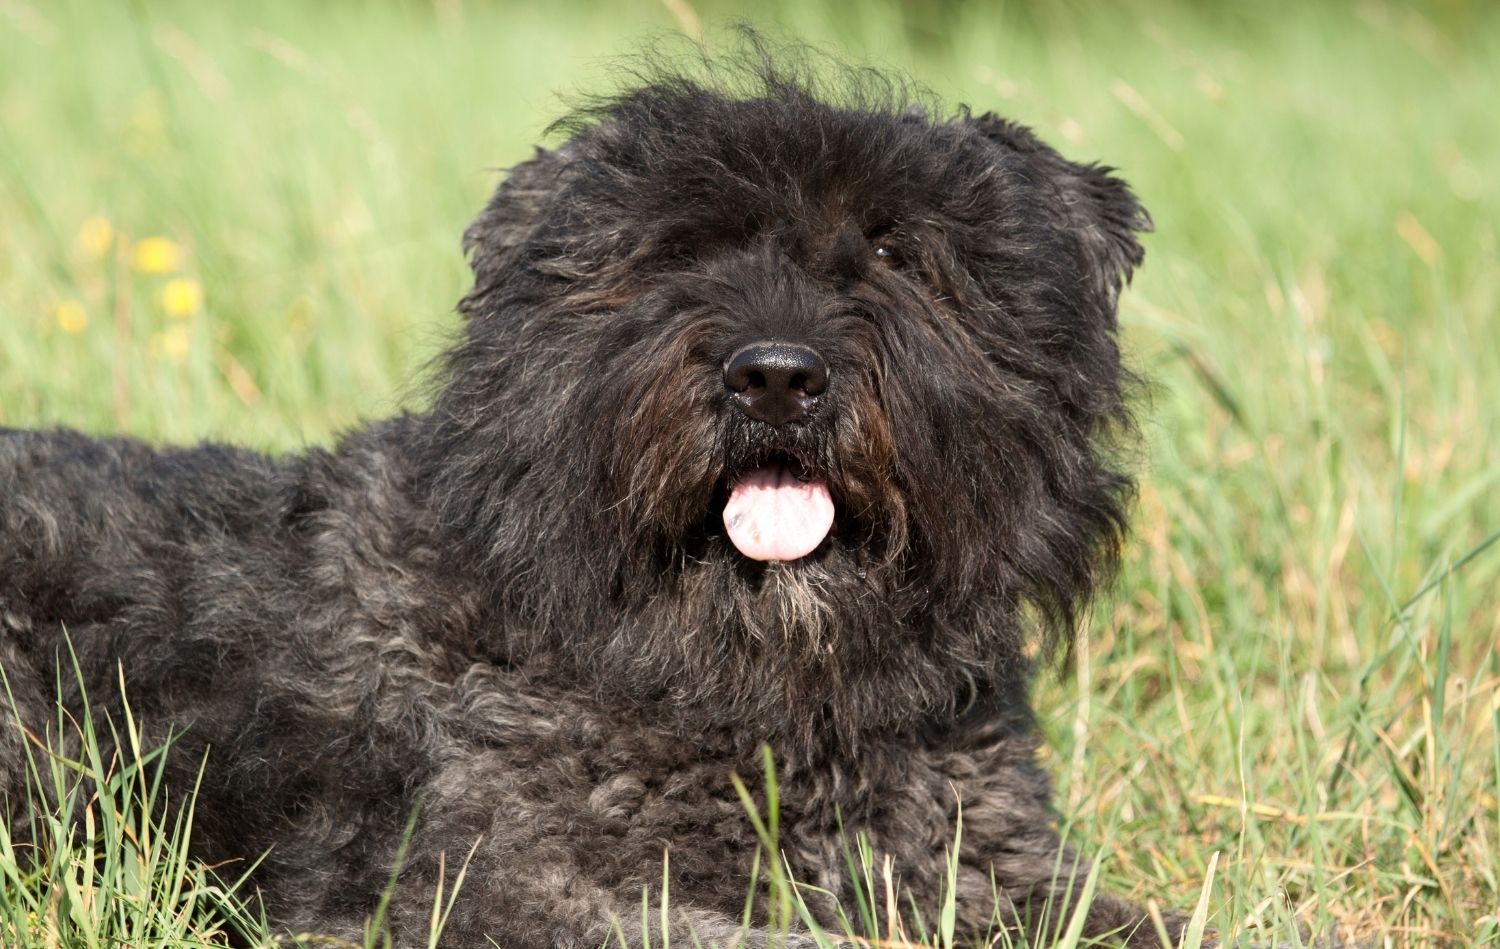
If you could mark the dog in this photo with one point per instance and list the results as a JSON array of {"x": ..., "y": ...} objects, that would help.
[{"x": 786, "y": 413}]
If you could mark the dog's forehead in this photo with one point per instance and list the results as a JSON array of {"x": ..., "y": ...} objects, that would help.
[{"x": 795, "y": 156}]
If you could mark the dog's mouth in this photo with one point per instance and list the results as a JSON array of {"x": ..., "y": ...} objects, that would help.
[{"x": 778, "y": 508}]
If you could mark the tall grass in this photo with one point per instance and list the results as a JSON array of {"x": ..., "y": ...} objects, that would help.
[
  {"x": 102, "y": 857},
  {"x": 99, "y": 854},
  {"x": 1298, "y": 672}
]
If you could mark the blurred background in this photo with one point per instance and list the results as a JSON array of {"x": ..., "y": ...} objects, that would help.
[{"x": 242, "y": 221}]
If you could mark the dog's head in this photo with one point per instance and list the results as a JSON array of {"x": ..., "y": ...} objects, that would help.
[{"x": 770, "y": 398}]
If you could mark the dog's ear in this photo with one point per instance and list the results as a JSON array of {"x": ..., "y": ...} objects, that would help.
[
  {"x": 1100, "y": 206},
  {"x": 499, "y": 234}
]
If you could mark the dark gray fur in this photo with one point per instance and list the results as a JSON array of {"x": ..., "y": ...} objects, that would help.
[{"x": 518, "y": 607}]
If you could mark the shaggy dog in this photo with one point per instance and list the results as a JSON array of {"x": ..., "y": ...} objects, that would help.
[{"x": 782, "y": 415}]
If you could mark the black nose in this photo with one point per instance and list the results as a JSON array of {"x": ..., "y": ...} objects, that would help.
[{"x": 775, "y": 382}]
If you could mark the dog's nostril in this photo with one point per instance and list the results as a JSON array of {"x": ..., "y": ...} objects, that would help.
[
  {"x": 775, "y": 382},
  {"x": 814, "y": 380}
]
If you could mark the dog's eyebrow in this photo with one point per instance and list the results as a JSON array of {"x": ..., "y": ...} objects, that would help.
[{"x": 848, "y": 252}]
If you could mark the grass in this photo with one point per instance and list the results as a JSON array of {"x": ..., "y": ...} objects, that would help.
[
  {"x": 102, "y": 858},
  {"x": 1297, "y": 684}
]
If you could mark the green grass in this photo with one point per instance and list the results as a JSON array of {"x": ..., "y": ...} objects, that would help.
[
  {"x": 1299, "y": 671},
  {"x": 103, "y": 854}
]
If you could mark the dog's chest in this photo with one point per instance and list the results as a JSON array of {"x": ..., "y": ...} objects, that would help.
[{"x": 603, "y": 793}]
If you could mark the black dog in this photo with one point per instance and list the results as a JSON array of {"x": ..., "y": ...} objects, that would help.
[{"x": 780, "y": 416}]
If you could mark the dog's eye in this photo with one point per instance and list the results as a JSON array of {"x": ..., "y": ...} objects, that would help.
[
  {"x": 884, "y": 245},
  {"x": 886, "y": 251}
]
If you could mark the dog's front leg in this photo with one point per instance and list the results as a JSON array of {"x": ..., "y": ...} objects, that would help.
[
  {"x": 1032, "y": 887},
  {"x": 694, "y": 928},
  {"x": 1015, "y": 872},
  {"x": 554, "y": 908}
]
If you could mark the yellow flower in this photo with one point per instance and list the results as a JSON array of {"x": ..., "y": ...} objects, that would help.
[
  {"x": 95, "y": 235},
  {"x": 181, "y": 297},
  {"x": 157, "y": 255},
  {"x": 71, "y": 317},
  {"x": 175, "y": 342}
]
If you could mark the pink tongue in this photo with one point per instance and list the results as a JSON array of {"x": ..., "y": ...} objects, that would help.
[{"x": 771, "y": 515}]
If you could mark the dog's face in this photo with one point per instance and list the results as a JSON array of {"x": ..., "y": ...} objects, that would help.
[{"x": 755, "y": 375}]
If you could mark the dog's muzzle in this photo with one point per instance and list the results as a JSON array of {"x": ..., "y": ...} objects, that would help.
[{"x": 778, "y": 510}]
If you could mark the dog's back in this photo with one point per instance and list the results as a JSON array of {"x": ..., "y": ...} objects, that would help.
[{"x": 220, "y": 586}]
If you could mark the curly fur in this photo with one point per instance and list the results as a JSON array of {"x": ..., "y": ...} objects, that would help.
[{"x": 518, "y": 607}]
